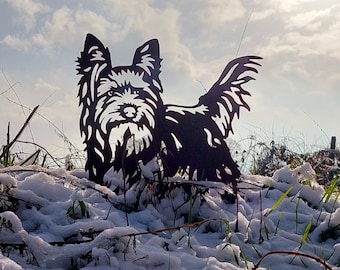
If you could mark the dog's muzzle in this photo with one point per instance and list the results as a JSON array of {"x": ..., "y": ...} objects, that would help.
[{"x": 129, "y": 112}]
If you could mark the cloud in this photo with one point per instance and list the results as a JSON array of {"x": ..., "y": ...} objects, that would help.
[
  {"x": 64, "y": 27},
  {"x": 216, "y": 13},
  {"x": 296, "y": 68},
  {"x": 145, "y": 21},
  {"x": 288, "y": 5},
  {"x": 28, "y": 10},
  {"x": 17, "y": 43},
  {"x": 42, "y": 86},
  {"x": 262, "y": 14},
  {"x": 311, "y": 20},
  {"x": 306, "y": 44},
  {"x": 73, "y": 22}
]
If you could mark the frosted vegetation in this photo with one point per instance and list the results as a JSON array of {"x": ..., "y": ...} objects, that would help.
[{"x": 58, "y": 219}]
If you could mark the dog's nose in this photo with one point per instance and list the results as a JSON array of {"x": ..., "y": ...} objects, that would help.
[{"x": 130, "y": 112}]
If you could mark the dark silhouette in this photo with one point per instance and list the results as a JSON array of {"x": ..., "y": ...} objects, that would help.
[{"x": 124, "y": 120}]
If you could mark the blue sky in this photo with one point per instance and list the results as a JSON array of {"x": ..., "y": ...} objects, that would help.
[{"x": 295, "y": 97}]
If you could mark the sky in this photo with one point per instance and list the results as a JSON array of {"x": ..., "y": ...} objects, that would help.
[{"x": 294, "y": 98}]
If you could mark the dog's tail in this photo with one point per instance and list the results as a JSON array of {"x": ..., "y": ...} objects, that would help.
[{"x": 226, "y": 96}]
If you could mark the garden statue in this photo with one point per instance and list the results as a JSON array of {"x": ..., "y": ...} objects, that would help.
[{"x": 125, "y": 122}]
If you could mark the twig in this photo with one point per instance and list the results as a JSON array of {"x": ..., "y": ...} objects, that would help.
[
  {"x": 317, "y": 259},
  {"x": 9, "y": 145},
  {"x": 18, "y": 98},
  {"x": 9, "y": 88},
  {"x": 58, "y": 131},
  {"x": 316, "y": 123},
  {"x": 35, "y": 144},
  {"x": 244, "y": 31},
  {"x": 184, "y": 226},
  {"x": 6, "y": 149},
  {"x": 261, "y": 220}
]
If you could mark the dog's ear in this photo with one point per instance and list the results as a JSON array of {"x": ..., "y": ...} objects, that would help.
[
  {"x": 147, "y": 57},
  {"x": 93, "y": 64},
  {"x": 94, "y": 55}
]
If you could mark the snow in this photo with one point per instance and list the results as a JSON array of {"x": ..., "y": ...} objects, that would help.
[{"x": 58, "y": 219}]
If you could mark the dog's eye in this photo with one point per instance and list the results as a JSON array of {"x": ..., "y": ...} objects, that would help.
[
  {"x": 135, "y": 90},
  {"x": 110, "y": 92}
]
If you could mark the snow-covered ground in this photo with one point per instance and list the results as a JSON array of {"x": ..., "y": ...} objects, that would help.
[{"x": 57, "y": 219}]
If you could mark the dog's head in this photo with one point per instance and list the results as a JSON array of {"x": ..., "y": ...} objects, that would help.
[{"x": 120, "y": 103}]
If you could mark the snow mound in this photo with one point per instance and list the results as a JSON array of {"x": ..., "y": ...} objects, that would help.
[{"x": 57, "y": 219}]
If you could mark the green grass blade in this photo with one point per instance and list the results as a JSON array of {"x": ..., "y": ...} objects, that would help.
[
  {"x": 305, "y": 234},
  {"x": 278, "y": 202},
  {"x": 266, "y": 231},
  {"x": 331, "y": 188},
  {"x": 278, "y": 223},
  {"x": 83, "y": 209},
  {"x": 297, "y": 215}
]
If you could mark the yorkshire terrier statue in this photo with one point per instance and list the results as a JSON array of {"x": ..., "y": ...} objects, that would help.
[{"x": 124, "y": 120}]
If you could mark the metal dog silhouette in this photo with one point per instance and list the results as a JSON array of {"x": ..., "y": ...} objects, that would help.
[{"x": 124, "y": 120}]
